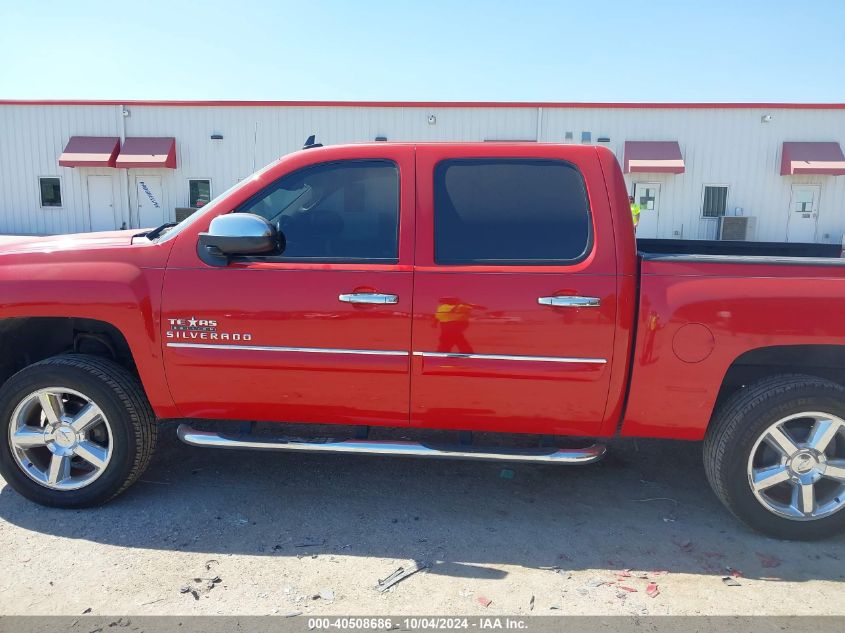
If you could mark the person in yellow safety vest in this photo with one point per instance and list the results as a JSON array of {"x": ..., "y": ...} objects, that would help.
[{"x": 635, "y": 211}]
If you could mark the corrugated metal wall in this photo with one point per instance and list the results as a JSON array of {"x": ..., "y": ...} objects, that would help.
[{"x": 730, "y": 147}]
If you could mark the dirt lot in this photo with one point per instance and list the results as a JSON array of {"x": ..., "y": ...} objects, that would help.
[{"x": 279, "y": 529}]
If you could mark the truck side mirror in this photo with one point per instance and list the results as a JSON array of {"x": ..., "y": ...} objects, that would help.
[{"x": 238, "y": 234}]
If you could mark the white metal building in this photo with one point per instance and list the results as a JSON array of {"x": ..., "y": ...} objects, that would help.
[{"x": 70, "y": 166}]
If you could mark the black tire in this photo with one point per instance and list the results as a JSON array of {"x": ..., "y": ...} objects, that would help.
[
  {"x": 738, "y": 425},
  {"x": 120, "y": 396}
]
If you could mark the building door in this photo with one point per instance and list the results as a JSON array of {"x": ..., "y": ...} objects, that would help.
[
  {"x": 803, "y": 214},
  {"x": 150, "y": 205},
  {"x": 647, "y": 195},
  {"x": 101, "y": 203}
]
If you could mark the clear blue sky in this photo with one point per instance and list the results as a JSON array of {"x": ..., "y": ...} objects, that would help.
[{"x": 589, "y": 50}]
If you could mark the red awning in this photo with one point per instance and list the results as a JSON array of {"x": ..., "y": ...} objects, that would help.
[
  {"x": 143, "y": 152},
  {"x": 654, "y": 157},
  {"x": 824, "y": 159},
  {"x": 90, "y": 151}
]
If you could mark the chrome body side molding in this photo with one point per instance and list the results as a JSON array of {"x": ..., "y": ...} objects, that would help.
[
  {"x": 532, "y": 359},
  {"x": 305, "y": 350},
  {"x": 387, "y": 352}
]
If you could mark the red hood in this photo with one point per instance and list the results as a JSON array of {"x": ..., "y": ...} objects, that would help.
[{"x": 52, "y": 243}]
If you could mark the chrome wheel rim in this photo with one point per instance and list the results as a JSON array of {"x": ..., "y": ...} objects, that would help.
[
  {"x": 796, "y": 468},
  {"x": 60, "y": 438}
]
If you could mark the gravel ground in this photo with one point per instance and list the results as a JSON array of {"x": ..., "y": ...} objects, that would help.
[{"x": 288, "y": 534}]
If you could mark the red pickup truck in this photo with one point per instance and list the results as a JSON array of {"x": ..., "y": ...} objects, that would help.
[{"x": 452, "y": 288}]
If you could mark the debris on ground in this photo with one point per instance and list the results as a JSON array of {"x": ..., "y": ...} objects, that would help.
[
  {"x": 730, "y": 581},
  {"x": 652, "y": 591},
  {"x": 484, "y": 602},
  {"x": 190, "y": 590},
  {"x": 324, "y": 594},
  {"x": 671, "y": 517},
  {"x": 311, "y": 541},
  {"x": 88, "y": 610},
  {"x": 627, "y": 588},
  {"x": 291, "y": 614},
  {"x": 506, "y": 473},
  {"x": 596, "y": 583},
  {"x": 201, "y": 585},
  {"x": 209, "y": 582},
  {"x": 733, "y": 572},
  {"x": 557, "y": 569},
  {"x": 399, "y": 575},
  {"x": 769, "y": 561},
  {"x": 144, "y": 604},
  {"x": 531, "y": 603}
]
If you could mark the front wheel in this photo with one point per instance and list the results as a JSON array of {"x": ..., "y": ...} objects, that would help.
[
  {"x": 775, "y": 456},
  {"x": 75, "y": 431}
]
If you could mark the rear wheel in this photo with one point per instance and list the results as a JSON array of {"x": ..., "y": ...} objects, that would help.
[
  {"x": 775, "y": 456},
  {"x": 75, "y": 431}
]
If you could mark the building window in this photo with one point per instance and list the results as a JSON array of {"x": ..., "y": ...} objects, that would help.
[
  {"x": 51, "y": 192},
  {"x": 715, "y": 201},
  {"x": 509, "y": 211},
  {"x": 199, "y": 193}
]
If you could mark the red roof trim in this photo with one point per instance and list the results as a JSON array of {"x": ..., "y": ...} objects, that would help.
[
  {"x": 148, "y": 152},
  {"x": 428, "y": 104},
  {"x": 90, "y": 151}
]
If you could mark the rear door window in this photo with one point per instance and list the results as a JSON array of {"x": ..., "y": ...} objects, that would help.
[{"x": 510, "y": 211}]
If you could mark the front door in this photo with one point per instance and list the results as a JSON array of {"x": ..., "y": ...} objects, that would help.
[
  {"x": 101, "y": 203},
  {"x": 319, "y": 334},
  {"x": 803, "y": 214},
  {"x": 514, "y": 292},
  {"x": 647, "y": 195},
  {"x": 150, "y": 205}
]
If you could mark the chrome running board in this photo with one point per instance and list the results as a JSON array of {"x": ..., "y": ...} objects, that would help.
[{"x": 538, "y": 455}]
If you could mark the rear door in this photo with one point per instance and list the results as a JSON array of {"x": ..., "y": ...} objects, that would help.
[{"x": 514, "y": 290}]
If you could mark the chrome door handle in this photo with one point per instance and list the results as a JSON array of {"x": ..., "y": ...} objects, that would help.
[
  {"x": 369, "y": 297},
  {"x": 570, "y": 302}
]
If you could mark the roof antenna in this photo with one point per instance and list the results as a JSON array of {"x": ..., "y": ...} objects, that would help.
[{"x": 311, "y": 142}]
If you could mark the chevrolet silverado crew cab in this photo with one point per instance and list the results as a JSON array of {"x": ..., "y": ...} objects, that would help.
[{"x": 446, "y": 288}]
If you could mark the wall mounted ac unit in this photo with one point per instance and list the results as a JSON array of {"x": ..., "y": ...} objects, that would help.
[{"x": 737, "y": 227}]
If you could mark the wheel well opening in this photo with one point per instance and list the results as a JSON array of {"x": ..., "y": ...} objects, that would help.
[
  {"x": 823, "y": 361},
  {"x": 27, "y": 340}
]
